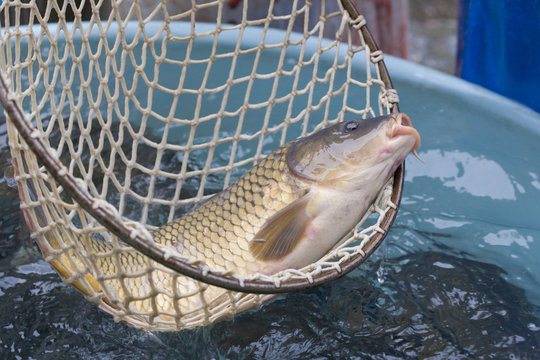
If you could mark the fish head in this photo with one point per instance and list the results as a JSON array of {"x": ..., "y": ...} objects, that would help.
[{"x": 354, "y": 151}]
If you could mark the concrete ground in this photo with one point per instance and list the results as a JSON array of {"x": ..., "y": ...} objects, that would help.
[{"x": 433, "y": 33}]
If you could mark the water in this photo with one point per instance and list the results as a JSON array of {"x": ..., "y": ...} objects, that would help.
[{"x": 457, "y": 277}]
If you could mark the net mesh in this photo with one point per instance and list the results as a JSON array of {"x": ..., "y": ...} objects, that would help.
[{"x": 153, "y": 108}]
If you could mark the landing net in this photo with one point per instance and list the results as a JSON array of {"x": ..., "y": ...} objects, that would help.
[{"x": 122, "y": 122}]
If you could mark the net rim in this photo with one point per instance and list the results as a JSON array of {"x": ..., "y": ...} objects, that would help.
[{"x": 139, "y": 240}]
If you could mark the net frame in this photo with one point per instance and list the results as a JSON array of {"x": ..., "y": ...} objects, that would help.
[{"x": 29, "y": 144}]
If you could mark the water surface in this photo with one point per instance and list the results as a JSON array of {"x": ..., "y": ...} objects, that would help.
[{"x": 457, "y": 277}]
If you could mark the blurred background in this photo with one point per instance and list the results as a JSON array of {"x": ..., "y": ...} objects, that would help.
[
  {"x": 433, "y": 29},
  {"x": 490, "y": 43}
]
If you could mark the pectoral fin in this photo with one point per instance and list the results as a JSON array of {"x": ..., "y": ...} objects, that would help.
[{"x": 282, "y": 232}]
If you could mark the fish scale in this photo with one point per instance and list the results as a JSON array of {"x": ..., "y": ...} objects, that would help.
[{"x": 219, "y": 230}]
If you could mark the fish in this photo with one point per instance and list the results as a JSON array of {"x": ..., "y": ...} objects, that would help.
[
  {"x": 297, "y": 203},
  {"x": 286, "y": 212}
]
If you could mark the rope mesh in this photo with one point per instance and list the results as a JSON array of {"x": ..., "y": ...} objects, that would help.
[{"x": 157, "y": 107}]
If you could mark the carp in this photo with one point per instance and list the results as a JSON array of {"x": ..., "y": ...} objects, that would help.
[
  {"x": 286, "y": 212},
  {"x": 298, "y": 202}
]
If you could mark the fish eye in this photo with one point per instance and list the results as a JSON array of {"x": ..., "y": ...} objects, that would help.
[{"x": 351, "y": 126}]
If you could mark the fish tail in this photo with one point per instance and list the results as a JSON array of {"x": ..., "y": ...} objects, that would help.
[
  {"x": 147, "y": 288},
  {"x": 66, "y": 262}
]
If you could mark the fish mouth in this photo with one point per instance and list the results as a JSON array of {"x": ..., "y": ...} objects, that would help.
[{"x": 403, "y": 127}]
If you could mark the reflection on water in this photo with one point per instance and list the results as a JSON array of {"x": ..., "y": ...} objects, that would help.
[
  {"x": 508, "y": 237},
  {"x": 477, "y": 176}
]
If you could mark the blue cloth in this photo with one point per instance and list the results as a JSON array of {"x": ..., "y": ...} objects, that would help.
[{"x": 499, "y": 47}]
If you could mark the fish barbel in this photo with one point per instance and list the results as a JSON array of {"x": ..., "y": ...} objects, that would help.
[{"x": 286, "y": 212}]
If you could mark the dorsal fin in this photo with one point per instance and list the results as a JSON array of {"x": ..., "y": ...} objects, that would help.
[
  {"x": 282, "y": 231},
  {"x": 202, "y": 202}
]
